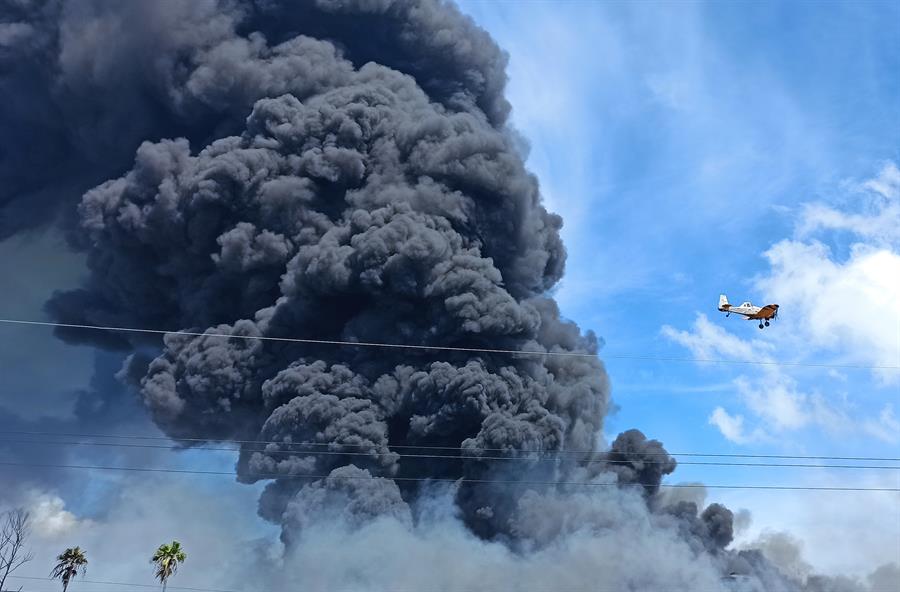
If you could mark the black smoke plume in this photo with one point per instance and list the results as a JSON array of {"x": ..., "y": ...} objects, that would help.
[{"x": 372, "y": 193}]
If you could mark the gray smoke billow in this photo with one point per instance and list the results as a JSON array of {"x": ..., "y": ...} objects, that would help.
[
  {"x": 354, "y": 204},
  {"x": 342, "y": 170}
]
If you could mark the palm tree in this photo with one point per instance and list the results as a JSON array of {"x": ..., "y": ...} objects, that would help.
[
  {"x": 70, "y": 562},
  {"x": 167, "y": 558}
]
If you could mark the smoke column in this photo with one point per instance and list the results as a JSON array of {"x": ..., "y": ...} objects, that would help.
[
  {"x": 341, "y": 170},
  {"x": 354, "y": 204}
]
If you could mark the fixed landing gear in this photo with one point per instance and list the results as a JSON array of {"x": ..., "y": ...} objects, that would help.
[
  {"x": 767, "y": 323},
  {"x": 761, "y": 325}
]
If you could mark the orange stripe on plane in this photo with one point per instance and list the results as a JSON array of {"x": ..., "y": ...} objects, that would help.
[{"x": 766, "y": 312}]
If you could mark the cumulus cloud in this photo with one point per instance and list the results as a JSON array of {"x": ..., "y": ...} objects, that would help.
[
  {"x": 774, "y": 401},
  {"x": 848, "y": 306},
  {"x": 49, "y": 517},
  {"x": 841, "y": 309}
]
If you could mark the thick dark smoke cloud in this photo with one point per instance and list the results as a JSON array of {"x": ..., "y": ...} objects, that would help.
[
  {"x": 84, "y": 83},
  {"x": 356, "y": 204},
  {"x": 336, "y": 170}
]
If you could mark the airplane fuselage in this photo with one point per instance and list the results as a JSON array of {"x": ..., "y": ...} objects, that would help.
[
  {"x": 746, "y": 309},
  {"x": 750, "y": 312}
]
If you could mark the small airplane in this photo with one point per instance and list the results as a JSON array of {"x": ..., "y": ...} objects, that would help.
[{"x": 755, "y": 313}]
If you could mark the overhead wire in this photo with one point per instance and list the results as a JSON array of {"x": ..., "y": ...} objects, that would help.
[
  {"x": 197, "y": 589},
  {"x": 575, "y": 452},
  {"x": 337, "y": 342},
  {"x": 510, "y": 482},
  {"x": 130, "y": 584},
  {"x": 473, "y": 457}
]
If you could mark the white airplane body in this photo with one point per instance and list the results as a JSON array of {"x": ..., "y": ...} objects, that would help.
[{"x": 750, "y": 312}]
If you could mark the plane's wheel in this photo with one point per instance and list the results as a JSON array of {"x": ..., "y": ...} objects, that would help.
[
  {"x": 767, "y": 323},
  {"x": 760, "y": 325}
]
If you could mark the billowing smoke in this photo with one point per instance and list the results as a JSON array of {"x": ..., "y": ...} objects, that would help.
[
  {"x": 355, "y": 204},
  {"x": 338, "y": 170}
]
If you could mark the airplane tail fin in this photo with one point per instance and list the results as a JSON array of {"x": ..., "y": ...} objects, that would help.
[{"x": 723, "y": 302}]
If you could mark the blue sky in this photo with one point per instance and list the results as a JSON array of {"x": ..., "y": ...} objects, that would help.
[
  {"x": 746, "y": 148},
  {"x": 691, "y": 149}
]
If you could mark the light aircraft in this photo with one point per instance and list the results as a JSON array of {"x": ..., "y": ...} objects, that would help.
[{"x": 755, "y": 313}]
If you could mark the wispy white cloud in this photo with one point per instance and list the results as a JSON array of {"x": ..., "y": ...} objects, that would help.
[
  {"x": 886, "y": 426},
  {"x": 887, "y": 183},
  {"x": 775, "y": 401},
  {"x": 707, "y": 340},
  {"x": 732, "y": 427},
  {"x": 878, "y": 218}
]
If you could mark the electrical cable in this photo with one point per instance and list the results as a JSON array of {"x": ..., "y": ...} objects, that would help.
[
  {"x": 103, "y": 583},
  {"x": 371, "y": 454},
  {"x": 457, "y": 449},
  {"x": 441, "y": 347},
  {"x": 447, "y": 479}
]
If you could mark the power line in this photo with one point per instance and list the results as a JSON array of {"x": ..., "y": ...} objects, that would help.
[
  {"x": 547, "y": 453},
  {"x": 303, "y": 340},
  {"x": 444, "y": 347},
  {"x": 446, "y": 479},
  {"x": 371, "y": 454},
  {"x": 103, "y": 583},
  {"x": 192, "y": 589}
]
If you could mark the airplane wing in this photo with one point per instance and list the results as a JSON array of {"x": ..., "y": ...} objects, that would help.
[
  {"x": 737, "y": 312},
  {"x": 768, "y": 311}
]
